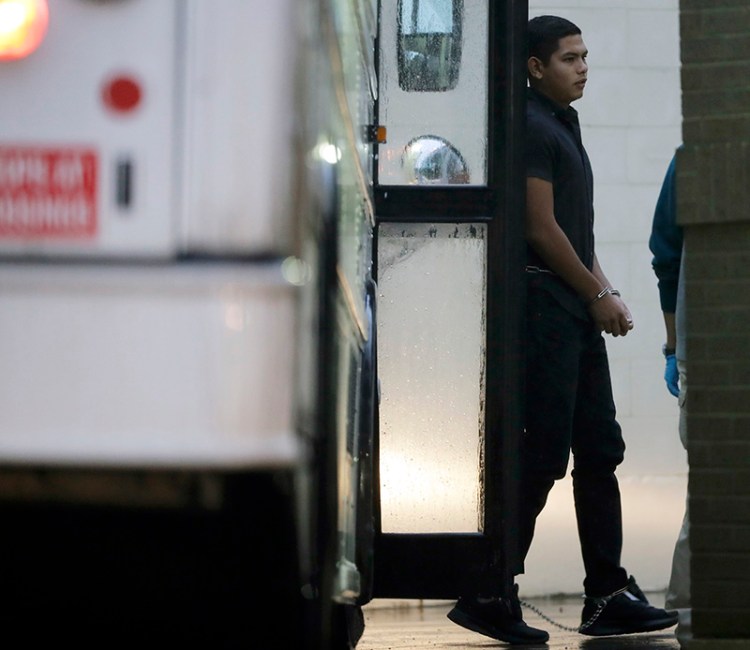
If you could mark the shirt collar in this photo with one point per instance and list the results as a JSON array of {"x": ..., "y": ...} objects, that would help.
[{"x": 568, "y": 114}]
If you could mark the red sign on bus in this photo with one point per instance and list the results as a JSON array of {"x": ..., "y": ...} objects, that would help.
[{"x": 48, "y": 192}]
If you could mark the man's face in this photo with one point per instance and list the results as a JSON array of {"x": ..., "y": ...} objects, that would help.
[{"x": 564, "y": 77}]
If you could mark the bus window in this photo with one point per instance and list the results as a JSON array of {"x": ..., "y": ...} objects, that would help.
[
  {"x": 429, "y": 44},
  {"x": 435, "y": 111}
]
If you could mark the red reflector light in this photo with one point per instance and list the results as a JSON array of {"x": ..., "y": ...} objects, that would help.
[
  {"x": 23, "y": 25},
  {"x": 122, "y": 93}
]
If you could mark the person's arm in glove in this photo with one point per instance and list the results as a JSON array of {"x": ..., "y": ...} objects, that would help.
[{"x": 671, "y": 375}]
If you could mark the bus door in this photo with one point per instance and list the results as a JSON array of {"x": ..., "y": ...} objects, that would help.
[{"x": 448, "y": 204}]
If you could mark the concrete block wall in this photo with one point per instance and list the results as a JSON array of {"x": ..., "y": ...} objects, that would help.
[
  {"x": 713, "y": 180},
  {"x": 631, "y": 122}
]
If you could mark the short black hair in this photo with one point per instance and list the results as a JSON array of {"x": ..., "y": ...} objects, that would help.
[{"x": 544, "y": 34}]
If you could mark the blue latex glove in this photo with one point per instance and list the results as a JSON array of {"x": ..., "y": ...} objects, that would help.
[{"x": 671, "y": 376}]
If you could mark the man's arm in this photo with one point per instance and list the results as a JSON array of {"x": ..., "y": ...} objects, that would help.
[{"x": 546, "y": 237}]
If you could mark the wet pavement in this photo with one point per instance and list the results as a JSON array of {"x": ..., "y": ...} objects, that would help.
[{"x": 418, "y": 625}]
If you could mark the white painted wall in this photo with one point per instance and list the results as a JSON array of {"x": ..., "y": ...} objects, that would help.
[{"x": 631, "y": 121}]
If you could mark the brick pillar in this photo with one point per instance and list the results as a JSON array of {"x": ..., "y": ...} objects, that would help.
[{"x": 713, "y": 179}]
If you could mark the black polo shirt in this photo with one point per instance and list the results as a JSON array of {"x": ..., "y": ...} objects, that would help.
[{"x": 555, "y": 153}]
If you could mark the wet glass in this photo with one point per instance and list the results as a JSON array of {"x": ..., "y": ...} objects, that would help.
[
  {"x": 433, "y": 86},
  {"x": 431, "y": 370}
]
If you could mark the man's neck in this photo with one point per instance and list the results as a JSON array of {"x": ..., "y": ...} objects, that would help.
[{"x": 540, "y": 90}]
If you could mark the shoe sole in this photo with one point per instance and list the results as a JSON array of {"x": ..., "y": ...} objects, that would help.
[
  {"x": 611, "y": 630},
  {"x": 464, "y": 620}
]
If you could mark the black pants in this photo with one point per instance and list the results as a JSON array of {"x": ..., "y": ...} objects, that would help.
[{"x": 569, "y": 407}]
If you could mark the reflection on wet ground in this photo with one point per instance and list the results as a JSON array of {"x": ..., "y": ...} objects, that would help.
[{"x": 418, "y": 625}]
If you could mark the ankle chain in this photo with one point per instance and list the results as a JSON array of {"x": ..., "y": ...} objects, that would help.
[
  {"x": 541, "y": 614},
  {"x": 600, "y": 607},
  {"x": 601, "y": 604}
]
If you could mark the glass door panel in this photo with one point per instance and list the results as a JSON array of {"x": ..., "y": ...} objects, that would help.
[
  {"x": 433, "y": 91},
  {"x": 431, "y": 332}
]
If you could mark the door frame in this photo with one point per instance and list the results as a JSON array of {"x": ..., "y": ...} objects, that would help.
[{"x": 446, "y": 565}]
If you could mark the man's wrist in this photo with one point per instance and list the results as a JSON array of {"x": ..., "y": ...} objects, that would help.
[
  {"x": 604, "y": 292},
  {"x": 667, "y": 351}
]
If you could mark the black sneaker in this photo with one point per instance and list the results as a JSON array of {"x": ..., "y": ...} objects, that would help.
[
  {"x": 627, "y": 612},
  {"x": 499, "y": 618}
]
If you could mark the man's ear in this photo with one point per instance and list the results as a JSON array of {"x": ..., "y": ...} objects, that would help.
[{"x": 535, "y": 67}]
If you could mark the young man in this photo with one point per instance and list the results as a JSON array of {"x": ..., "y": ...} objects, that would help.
[{"x": 569, "y": 403}]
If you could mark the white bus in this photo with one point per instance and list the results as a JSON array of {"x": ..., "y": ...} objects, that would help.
[
  {"x": 181, "y": 315},
  {"x": 199, "y": 210}
]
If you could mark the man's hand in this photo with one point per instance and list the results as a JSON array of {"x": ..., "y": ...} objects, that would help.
[
  {"x": 611, "y": 315},
  {"x": 671, "y": 376}
]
